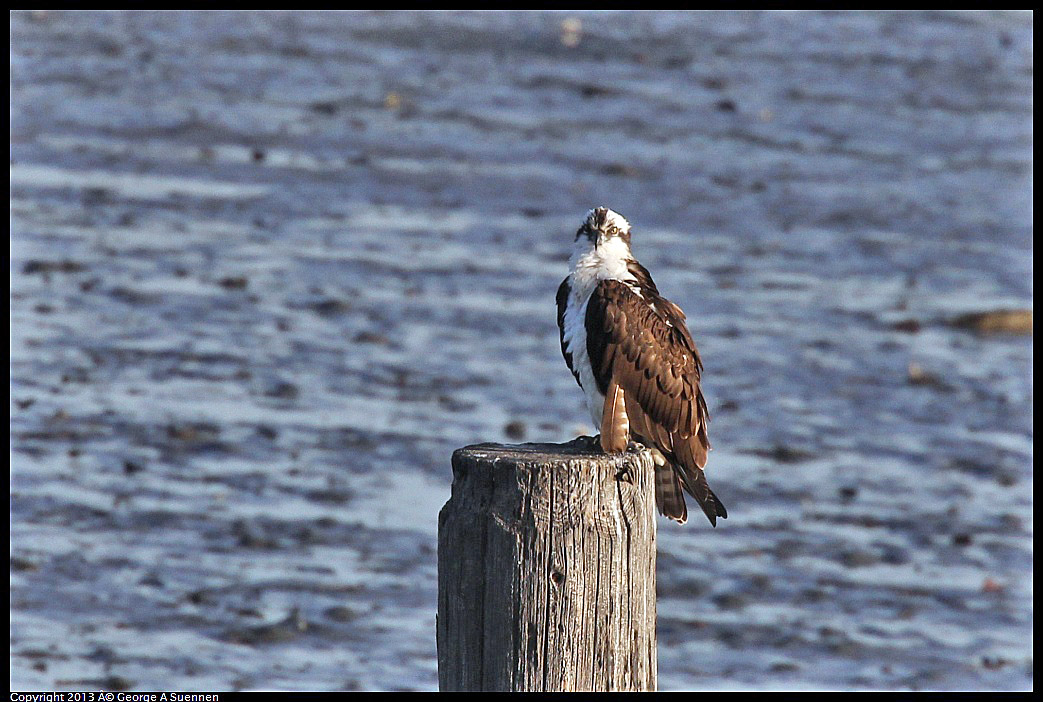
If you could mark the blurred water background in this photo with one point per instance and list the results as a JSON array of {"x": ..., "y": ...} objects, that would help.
[{"x": 269, "y": 269}]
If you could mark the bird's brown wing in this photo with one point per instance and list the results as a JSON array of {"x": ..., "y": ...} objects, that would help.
[{"x": 640, "y": 343}]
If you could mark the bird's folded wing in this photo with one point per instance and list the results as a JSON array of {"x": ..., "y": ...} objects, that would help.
[{"x": 641, "y": 344}]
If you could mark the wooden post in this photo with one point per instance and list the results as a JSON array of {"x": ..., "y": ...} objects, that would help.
[{"x": 546, "y": 570}]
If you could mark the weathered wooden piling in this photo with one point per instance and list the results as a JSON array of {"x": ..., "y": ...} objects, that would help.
[{"x": 546, "y": 570}]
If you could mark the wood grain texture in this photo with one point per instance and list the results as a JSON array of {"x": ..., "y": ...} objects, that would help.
[{"x": 546, "y": 570}]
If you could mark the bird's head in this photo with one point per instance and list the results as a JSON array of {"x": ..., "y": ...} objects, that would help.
[{"x": 603, "y": 230}]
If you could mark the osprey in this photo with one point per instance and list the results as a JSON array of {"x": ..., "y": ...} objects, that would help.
[{"x": 631, "y": 353}]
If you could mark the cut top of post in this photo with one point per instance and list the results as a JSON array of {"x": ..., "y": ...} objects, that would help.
[{"x": 569, "y": 482}]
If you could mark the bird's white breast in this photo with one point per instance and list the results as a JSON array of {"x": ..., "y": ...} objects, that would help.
[{"x": 588, "y": 269}]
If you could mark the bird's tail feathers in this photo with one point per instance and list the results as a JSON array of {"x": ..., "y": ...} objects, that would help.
[
  {"x": 668, "y": 496},
  {"x": 694, "y": 481}
]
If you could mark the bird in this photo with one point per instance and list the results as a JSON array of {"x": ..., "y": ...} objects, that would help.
[{"x": 632, "y": 354}]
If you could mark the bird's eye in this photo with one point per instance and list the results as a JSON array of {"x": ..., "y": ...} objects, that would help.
[{"x": 613, "y": 231}]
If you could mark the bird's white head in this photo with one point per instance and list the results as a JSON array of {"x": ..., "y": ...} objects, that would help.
[{"x": 604, "y": 237}]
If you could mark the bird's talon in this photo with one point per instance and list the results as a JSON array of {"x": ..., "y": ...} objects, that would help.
[
  {"x": 589, "y": 442},
  {"x": 657, "y": 457}
]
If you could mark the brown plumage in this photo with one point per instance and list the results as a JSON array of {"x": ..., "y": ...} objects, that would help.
[{"x": 647, "y": 366}]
